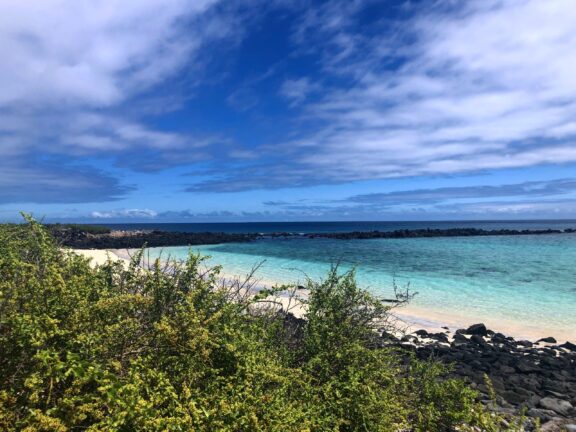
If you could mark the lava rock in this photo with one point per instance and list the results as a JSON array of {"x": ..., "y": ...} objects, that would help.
[
  {"x": 569, "y": 345},
  {"x": 441, "y": 337},
  {"x": 542, "y": 414},
  {"x": 477, "y": 329},
  {"x": 525, "y": 343},
  {"x": 478, "y": 340},
  {"x": 388, "y": 336},
  {"x": 459, "y": 337},
  {"x": 559, "y": 406},
  {"x": 549, "y": 339}
]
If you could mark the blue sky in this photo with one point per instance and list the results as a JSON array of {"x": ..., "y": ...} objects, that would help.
[{"x": 253, "y": 110}]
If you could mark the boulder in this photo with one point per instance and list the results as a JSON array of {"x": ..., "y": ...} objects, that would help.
[
  {"x": 554, "y": 425},
  {"x": 507, "y": 370},
  {"x": 459, "y": 337},
  {"x": 514, "y": 397},
  {"x": 388, "y": 336},
  {"x": 477, "y": 329},
  {"x": 559, "y": 406},
  {"x": 441, "y": 337},
  {"x": 478, "y": 340},
  {"x": 524, "y": 343},
  {"x": 569, "y": 345},
  {"x": 542, "y": 414},
  {"x": 549, "y": 339},
  {"x": 499, "y": 338},
  {"x": 525, "y": 366}
]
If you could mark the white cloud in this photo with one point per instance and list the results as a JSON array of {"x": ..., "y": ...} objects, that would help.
[
  {"x": 485, "y": 84},
  {"x": 125, "y": 213},
  {"x": 70, "y": 73},
  {"x": 493, "y": 87},
  {"x": 297, "y": 90},
  {"x": 548, "y": 208},
  {"x": 93, "y": 53}
]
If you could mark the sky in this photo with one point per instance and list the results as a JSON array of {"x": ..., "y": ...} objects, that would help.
[{"x": 287, "y": 110}]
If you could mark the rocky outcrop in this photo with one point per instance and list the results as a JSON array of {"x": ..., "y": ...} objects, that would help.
[
  {"x": 79, "y": 239},
  {"x": 450, "y": 232},
  {"x": 539, "y": 378}
]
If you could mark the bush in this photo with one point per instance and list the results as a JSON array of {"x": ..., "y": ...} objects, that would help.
[
  {"x": 170, "y": 348},
  {"x": 78, "y": 228}
]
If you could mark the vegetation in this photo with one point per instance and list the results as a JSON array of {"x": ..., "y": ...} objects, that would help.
[
  {"x": 169, "y": 348},
  {"x": 79, "y": 228}
]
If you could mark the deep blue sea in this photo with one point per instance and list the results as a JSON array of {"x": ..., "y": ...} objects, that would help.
[{"x": 526, "y": 284}]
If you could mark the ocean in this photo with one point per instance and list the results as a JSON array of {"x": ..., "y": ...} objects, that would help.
[{"x": 523, "y": 283}]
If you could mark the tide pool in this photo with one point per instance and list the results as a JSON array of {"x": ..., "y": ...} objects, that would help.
[{"x": 526, "y": 283}]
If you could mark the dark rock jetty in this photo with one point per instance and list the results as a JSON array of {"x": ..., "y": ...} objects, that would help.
[
  {"x": 536, "y": 377},
  {"x": 86, "y": 236},
  {"x": 450, "y": 232},
  {"x": 81, "y": 239}
]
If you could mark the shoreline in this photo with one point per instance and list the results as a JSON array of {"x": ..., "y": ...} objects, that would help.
[
  {"x": 104, "y": 238},
  {"x": 410, "y": 317}
]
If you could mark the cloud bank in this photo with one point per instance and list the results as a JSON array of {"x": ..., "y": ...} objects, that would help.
[
  {"x": 363, "y": 90},
  {"x": 68, "y": 68},
  {"x": 457, "y": 88}
]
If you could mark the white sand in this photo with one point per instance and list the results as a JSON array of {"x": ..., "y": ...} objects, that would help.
[
  {"x": 99, "y": 256},
  {"x": 410, "y": 318}
]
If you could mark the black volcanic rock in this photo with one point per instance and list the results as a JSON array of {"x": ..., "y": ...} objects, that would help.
[
  {"x": 79, "y": 239},
  {"x": 549, "y": 339},
  {"x": 440, "y": 337},
  {"x": 541, "y": 380},
  {"x": 477, "y": 329},
  {"x": 416, "y": 233},
  {"x": 421, "y": 333},
  {"x": 569, "y": 345}
]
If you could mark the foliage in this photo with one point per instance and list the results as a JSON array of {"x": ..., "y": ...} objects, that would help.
[
  {"x": 170, "y": 348},
  {"x": 78, "y": 228}
]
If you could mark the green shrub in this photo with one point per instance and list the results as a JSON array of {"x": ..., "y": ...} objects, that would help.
[
  {"x": 79, "y": 228},
  {"x": 169, "y": 348}
]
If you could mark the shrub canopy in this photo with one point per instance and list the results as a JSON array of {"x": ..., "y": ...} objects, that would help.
[{"x": 170, "y": 348}]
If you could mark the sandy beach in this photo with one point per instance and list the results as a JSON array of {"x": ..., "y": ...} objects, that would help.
[
  {"x": 409, "y": 318},
  {"x": 98, "y": 256}
]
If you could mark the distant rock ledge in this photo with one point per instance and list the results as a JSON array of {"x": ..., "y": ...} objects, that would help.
[
  {"x": 80, "y": 238},
  {"x": 93, "y": 237},
  {"x": 450, "y": 232}
]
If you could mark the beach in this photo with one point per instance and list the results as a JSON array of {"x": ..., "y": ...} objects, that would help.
[
  {"x": 409, "y": 318},
  {"x": 530, "y": 366}
]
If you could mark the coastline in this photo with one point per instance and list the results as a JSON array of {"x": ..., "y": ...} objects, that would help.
[
  {"x": 99, "y": 257},
  {"x": 410, "y": 317},
  {"x": 527, "y": 375}
]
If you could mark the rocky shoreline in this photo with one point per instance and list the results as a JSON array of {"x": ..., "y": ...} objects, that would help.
[
  {"x": 81, "y": 239},
  {"x": 536, "y": 378}
]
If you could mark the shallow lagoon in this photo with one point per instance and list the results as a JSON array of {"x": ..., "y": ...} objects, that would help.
[{"x": 522, "y": 282}]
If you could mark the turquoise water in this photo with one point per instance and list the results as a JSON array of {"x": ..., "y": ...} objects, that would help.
[{"x": 523, "y": 280}]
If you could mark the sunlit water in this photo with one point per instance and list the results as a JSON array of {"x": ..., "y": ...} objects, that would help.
[{"x": 525, "y": 281}]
